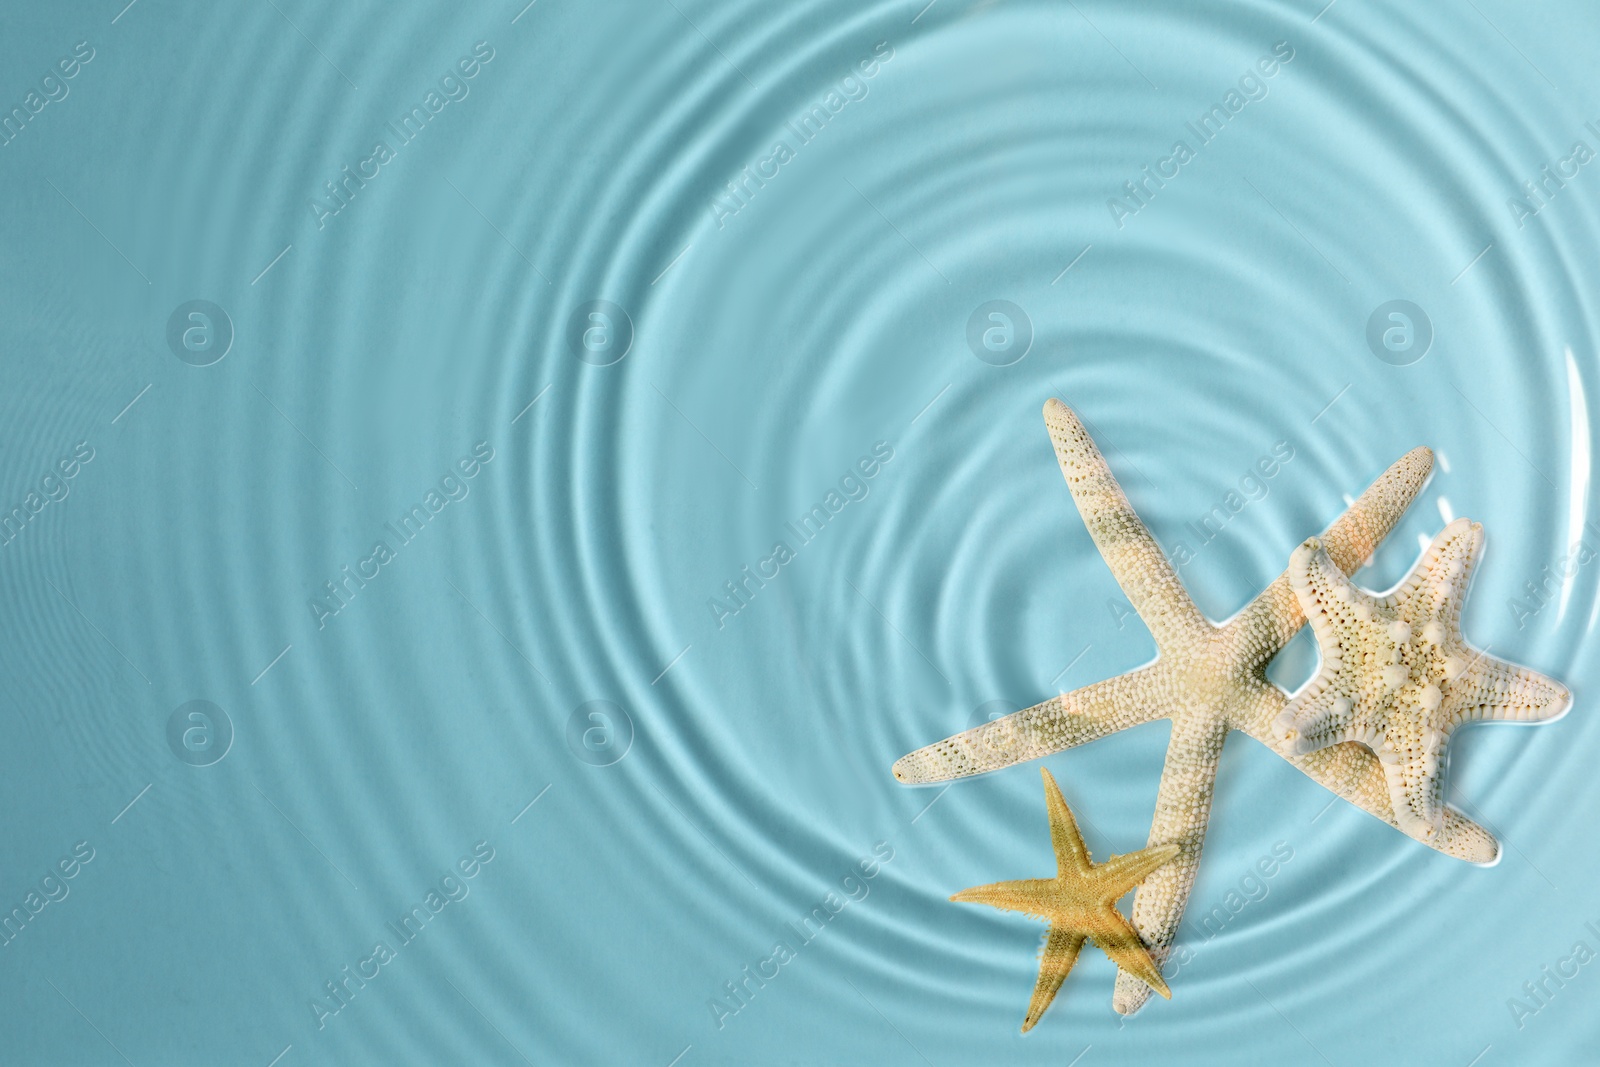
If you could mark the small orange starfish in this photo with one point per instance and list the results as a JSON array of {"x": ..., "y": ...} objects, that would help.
[{"x": 1078, "y": 903}]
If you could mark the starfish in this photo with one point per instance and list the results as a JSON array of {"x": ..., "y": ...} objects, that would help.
[
  {"x": 1078, "y": 903},
  {"x": 1397, "y": 675},
  {"x": 1207, "y": 678}
]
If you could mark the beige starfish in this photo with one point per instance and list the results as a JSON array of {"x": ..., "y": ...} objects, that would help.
[
  {"x": 1207, "y": 679},
  {"x": 1079, "y": 902},
  {"x": 1397, "y": 675}
]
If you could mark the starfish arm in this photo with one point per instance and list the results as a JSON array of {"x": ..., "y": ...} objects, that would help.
[
  {"x": 1315, "y": 719},
  {"x": 1411, "y": 756},
  {"x": 1030, "y": 896},
  {"x": 1120, "y": 874},
  {"x": 1436, "y": 588},
  {"x": 1355, "y": 536},
  {"x": 1135, "y": 559},
  {"x": 1061, "y": 948},
  {"x": 1315, "y": 577},
  {"x": 1120, "y": 941},
  {"x": 1062, "y": 722},
  {"x": 1494, "y": 689},
  {"x": 1336, "y": 705},
  {"x": 1071, "y": 855},
  {"x": 1353, "y": 771},
  {"x": 1350, "y": 541},
  {"x": 1183, "y": 805}
]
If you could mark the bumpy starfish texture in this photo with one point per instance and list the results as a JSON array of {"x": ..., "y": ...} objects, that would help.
[
  {"x": 1208, "y": 679},
  {"x": 1398, "y": 677},
  {"x": 1079, "y": 902}
]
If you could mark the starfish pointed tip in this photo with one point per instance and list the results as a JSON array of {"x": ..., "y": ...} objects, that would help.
[
  {"x": 1488, "y": 857},
  {"x": 1128, "y": 1001},
  {"x": 1301, "y": 560},
  {"x": 978, "y": 894},
  {"x": 916, "y": 768},
  {"x": 1556, "y": 702}
]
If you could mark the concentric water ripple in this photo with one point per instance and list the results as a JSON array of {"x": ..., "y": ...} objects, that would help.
[{"x": 597, "y": 497}]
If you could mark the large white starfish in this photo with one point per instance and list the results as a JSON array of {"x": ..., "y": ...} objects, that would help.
[
  {"x": 1397, "y": 675},
  {"x": 1207, "y": 678}
]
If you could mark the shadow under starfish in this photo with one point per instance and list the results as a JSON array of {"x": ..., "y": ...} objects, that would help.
[{"x": 1207, "y": 678}]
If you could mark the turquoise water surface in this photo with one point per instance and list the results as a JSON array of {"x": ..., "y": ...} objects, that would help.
[{"x": 489, "y": 490}]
